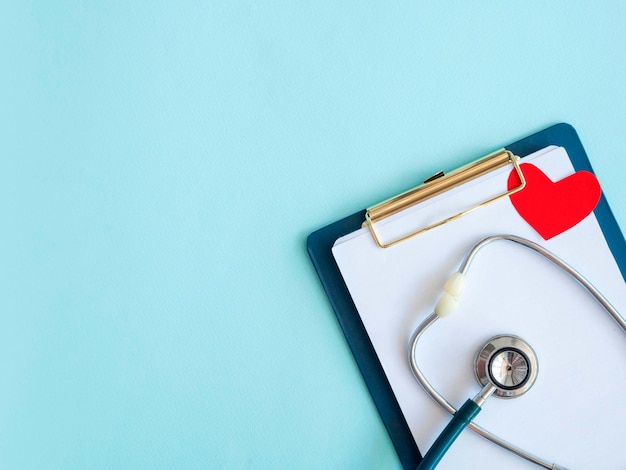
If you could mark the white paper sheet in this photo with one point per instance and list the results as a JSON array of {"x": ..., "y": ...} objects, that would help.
[{"x": 575, "y": 413}]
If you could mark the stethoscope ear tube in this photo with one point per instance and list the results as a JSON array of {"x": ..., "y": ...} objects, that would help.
[{"x": 457, "y": 424}]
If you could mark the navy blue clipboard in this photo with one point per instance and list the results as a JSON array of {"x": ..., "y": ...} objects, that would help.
[{"x": 320, "y": 243}]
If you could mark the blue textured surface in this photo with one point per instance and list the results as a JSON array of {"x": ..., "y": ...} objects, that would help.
[{"x": 162, "y": 165}]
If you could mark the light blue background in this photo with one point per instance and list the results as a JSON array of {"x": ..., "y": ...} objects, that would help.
[{"x": 162, "y": 164}]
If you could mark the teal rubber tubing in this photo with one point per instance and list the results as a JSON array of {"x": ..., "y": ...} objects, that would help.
[{"x": 461, "y": 419}]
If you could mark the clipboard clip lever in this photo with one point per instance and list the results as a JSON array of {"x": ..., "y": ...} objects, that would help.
[{"x": 439, "y": 184}]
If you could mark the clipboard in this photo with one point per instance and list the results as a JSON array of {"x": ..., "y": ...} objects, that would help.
[{"x": 320, "y": 244}]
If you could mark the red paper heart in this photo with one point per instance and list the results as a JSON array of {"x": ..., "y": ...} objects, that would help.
[{"x": 552, "y": 208}]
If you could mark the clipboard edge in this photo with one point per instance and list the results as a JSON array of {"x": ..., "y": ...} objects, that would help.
[{"x": 319, "y": 246}]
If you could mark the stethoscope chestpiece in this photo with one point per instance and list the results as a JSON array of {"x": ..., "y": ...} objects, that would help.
[{"x": 509, "y": 363}]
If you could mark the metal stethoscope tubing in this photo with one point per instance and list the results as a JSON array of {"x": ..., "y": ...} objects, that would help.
[{"x": 422, "y": 327}]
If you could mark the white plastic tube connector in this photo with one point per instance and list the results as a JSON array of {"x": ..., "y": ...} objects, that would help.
[{"x": 449, "y": 301}]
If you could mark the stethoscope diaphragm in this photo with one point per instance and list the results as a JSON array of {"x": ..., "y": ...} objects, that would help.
[{"x": 509, "y": 363}]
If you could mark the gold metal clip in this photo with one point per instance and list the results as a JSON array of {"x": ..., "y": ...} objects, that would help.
[{"x": 441, "y": 184}]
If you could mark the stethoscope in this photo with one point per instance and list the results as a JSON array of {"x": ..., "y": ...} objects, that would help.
[{"x": 506, "y": 366}]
